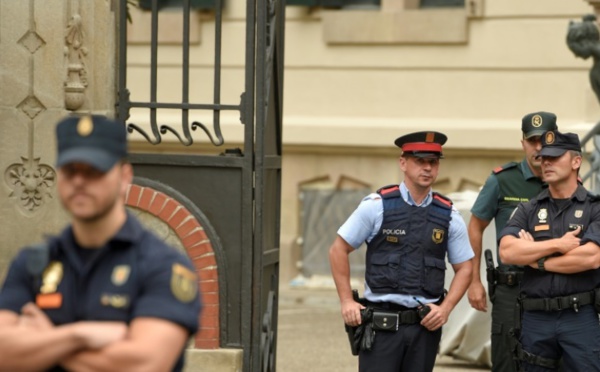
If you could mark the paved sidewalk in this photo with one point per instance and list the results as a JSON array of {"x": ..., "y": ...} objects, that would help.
[{"x": 311, "y": 335}]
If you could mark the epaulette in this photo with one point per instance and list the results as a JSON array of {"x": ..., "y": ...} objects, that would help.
[
  {"x": 504, "y": 167},
  {"x": 443, "y": 199},
  {"x": 389, "y": 191}
]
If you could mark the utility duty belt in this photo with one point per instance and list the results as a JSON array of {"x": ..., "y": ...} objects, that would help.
[
  {"x": 574, "y": 301},
  {"x": 381, "y": 316}
]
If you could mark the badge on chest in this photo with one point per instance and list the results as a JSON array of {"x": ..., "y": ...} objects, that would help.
[{"x": 49, "y": 298}]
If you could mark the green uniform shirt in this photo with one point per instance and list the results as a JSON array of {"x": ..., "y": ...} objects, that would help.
[{"x": 504, "y": 189}]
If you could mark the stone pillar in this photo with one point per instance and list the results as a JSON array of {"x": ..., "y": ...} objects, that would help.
[{"x": 56, "y": 57}]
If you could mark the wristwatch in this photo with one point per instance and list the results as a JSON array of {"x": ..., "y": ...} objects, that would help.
[{"x": 541, "y": 264}]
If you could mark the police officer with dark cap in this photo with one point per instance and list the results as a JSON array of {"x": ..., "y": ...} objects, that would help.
[
  {"x": 556, "y": 235},
  {"x": 105, "y": 294},
  {"x": 504, "y": 189},
  {"x": 409, "y": 230}
]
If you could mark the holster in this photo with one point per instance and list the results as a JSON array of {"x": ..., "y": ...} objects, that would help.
[
  {"x": 490, "y": 272},
  {"x": 362, "y": 336}
]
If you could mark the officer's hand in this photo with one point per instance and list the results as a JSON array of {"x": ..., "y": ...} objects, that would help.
[
  {"x": 525, "y": 235},
  {"x": 96, "y": 335},
  {"x": 569, "y": 241},
  {"x": 477, "y": 296},
  {"x": 31, "y": 316},
  {"x": 351, "y": 312},
  {"x": 437, "y": 317}
]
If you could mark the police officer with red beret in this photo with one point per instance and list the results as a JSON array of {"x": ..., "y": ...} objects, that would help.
[{"x": 410, "y": 231}]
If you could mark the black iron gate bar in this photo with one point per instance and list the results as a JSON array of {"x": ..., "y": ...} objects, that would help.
[{"x": 125, "y": 104}]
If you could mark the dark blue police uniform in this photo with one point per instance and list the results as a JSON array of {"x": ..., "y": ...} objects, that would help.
[
  {"x": 559, "y": 317},
  {"x": 134, "y": 275},
  {"x": 546, "y": 219}
]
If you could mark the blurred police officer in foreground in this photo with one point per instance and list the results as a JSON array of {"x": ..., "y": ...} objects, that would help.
[
  {"x": 408, "y": 230},
  {"x": 557, "y": 234},
  {"x": 105, "y": 294},
  {"x": 504, "y": 189}
]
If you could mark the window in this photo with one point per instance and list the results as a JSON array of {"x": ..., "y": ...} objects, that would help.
[
  {"x": 333, "y": 3},
  {"x": 194, "y": 4},
  {"x": 442, "y": 3}
]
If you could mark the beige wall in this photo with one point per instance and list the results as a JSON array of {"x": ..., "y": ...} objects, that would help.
[{"x": 356, "y": 80}]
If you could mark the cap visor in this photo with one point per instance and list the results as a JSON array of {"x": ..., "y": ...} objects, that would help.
[
  {"x": 553, "y": 152},
  {"x": 534, "y": 133},
  {"x": 428, "y": 155},
  {"x": 101, "y": 160}
]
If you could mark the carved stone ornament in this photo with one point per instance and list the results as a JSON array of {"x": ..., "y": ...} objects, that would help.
[
  {"x": 76, "y": 73},
  {"x": 30, "y": 182}
]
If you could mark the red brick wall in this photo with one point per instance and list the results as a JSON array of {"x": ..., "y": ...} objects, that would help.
[{"x": 198, "y": 248}]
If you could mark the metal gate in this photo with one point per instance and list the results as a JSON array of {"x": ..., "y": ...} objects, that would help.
[{"x": 234, "y": 195}]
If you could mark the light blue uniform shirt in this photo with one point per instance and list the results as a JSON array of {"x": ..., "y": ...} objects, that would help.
[{"x": 364, "y": 224}]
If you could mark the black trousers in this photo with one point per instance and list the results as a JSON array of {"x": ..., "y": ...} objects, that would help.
[
  {"x": 503, "y": 319},
  {"x": 574, "y": 336},
  {"x": 411, "y": 348}
]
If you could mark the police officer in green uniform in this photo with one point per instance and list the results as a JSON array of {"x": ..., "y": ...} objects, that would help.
[{"x": 504, "y": 189}]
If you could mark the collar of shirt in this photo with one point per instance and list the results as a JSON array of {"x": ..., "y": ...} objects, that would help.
[
  {"x": 527, "y": 173},
  {"x": 408, "y": 198},
  {"x": 130, "y": 232},
  {"x": 580, "y": 194}
]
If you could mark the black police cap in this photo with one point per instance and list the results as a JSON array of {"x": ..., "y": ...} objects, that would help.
[
  {"x": 422, "y": 144},
  {"x": 94, "y": 140},
  {"x": 555, "y": 143},
  {"x": 536, "y": 123}
]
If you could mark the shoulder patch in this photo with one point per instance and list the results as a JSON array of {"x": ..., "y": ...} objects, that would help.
[
  {"x": 184, "y": 283},
  {"x": 504, "y": 167},
  {"x": 389, "y": 191}
]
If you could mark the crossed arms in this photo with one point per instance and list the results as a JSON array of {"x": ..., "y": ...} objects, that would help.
[
  {"x": 572, "y": 258},
  {"x": 29, "y": 341}
]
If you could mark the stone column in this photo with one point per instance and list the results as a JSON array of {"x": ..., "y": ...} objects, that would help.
[{"x": 56, "y": 57}]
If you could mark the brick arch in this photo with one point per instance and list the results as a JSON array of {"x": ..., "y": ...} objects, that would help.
[{"x": 199, "y": 249}]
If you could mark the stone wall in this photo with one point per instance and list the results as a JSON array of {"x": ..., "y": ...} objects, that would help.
[{"x": 56, "y": 56}]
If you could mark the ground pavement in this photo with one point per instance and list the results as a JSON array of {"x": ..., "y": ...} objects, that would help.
[{"x": 311, "y": 335}]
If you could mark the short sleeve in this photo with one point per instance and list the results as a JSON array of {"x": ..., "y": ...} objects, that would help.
[
  {"x": 17, "y": 289},
  {"x": 486, "y": 204},
  {"x": 169, "y": 289},
  {"x": 516, "y": 222},
  {"x": 592, "y": 233},
  {"x": 459, "y": 247},
  {"x": 364, "y": 222}
]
